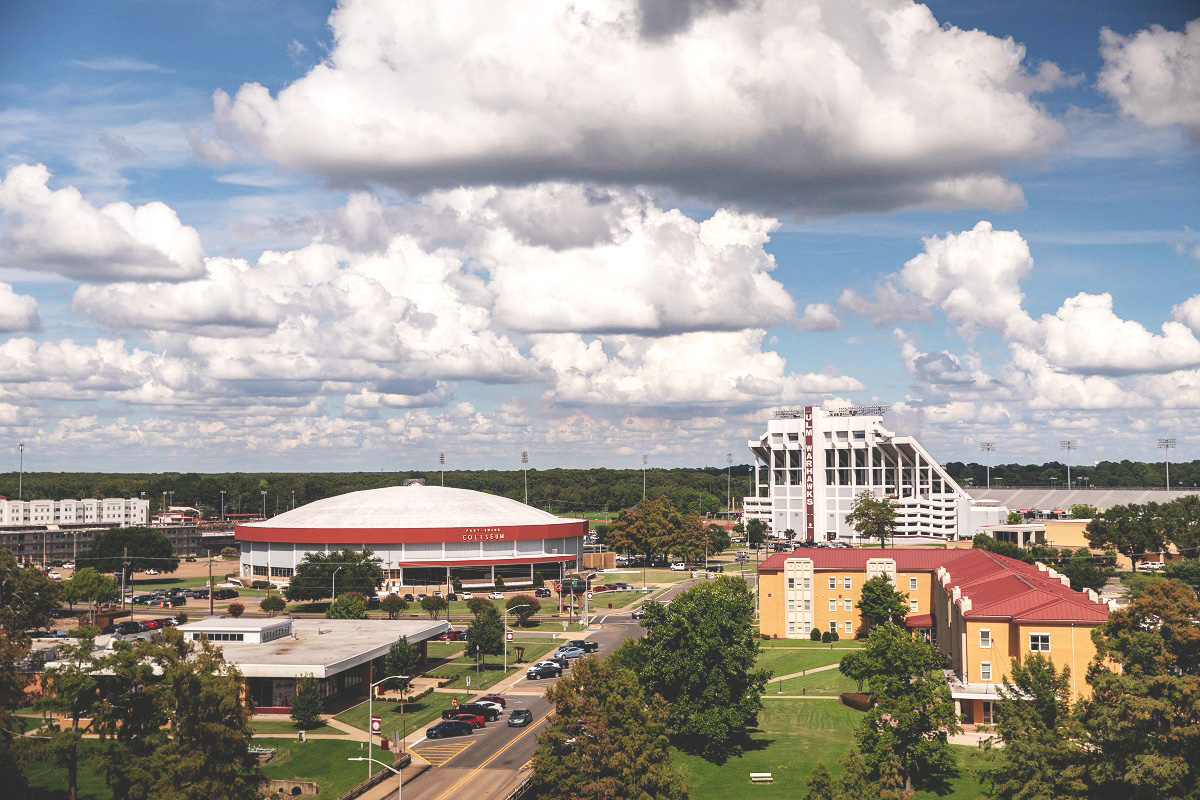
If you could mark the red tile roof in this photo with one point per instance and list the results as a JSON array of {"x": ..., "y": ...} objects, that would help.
[{"x": 998, "y": 587}]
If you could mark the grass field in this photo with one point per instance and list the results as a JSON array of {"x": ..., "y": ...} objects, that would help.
[
  {"x": 808, "y": 644},
  {"x": 494, "y": 671},
  {"x": 49, "y": 782},
  {"x": 785, "y": 662},
  {"x": 826, "y": 683},
  {"x": 285, "y": 725},
  {"x": 415, "y": 715},
  {"x": 322, "y": 761},
  {"x": 794, "y": 736}
]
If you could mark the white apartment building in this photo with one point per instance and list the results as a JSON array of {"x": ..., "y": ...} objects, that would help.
[
  {"x": 811, "y": 464},
  {"x": 109, "y": 511}
]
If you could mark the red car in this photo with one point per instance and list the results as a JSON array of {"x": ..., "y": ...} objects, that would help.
[
  {"x": 453, "y": 636},
  {"x": 474, "y": 720},
  {"x": 495, "y": 698}
]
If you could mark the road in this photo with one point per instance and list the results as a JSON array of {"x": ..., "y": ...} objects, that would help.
[{"x": 488, "y": 764}]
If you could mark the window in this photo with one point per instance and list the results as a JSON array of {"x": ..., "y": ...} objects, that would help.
[
  {"x": 847, "y": 604},
  {"x": 832, "y": 604},
  {"x": 807, "y": 585},
  {"x": 985, "y": 638},
  {"x": 791, "y": 583},
  {"x": 833, "y": 583},
  {"x": 912, "y": 584},
  {"x": 848, "y": 627},
  {"x": 791, "y": 605},
  {"x": 833, "y": 627},
  {"x": 260, "y": 570},
  {"x": 281, "y": 572},
  {"x": 791, "y": 628},
  {"x": 985, "y": 671},
  {"x": 808, "y": 605},
  {"x": 912, "y": 606},
  {"x": 1039, "y": 643},
  {"x": 846, "y": 583}
]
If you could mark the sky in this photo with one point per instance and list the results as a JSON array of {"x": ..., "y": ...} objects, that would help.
[{"x": 305, "y": 236}]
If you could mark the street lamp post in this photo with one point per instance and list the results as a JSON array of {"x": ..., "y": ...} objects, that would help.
[
  {"x": 506, "y": 610},
  {"x": 399, "y": 777},
  {"x": 371, "y": 714},
  {"x": 334, "y": 589},
  {"x": 1165, "y": 445},
  {"x": 988, "y": 447}
]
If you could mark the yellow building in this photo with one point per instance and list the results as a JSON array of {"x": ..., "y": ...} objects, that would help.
[{"x": 980, "y": 608}]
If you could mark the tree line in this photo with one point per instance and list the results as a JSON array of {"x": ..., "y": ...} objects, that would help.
[
  {"x": 560, "y": 491},
  {"x": 1124, "y": 474}
]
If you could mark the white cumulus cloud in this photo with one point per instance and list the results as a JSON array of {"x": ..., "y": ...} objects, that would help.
[
  {"x": 18, "y": 312},
  {"x": 1154, "y": 75}
]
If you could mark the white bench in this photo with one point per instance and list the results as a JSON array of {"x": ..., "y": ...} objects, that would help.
[{"x": 761, "y": 777}]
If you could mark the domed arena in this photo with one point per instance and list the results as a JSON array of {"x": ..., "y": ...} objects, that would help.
[{"x": 425, "y": 535}]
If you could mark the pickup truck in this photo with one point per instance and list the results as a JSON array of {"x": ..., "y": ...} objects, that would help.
[{"x": 584, "y": 644}]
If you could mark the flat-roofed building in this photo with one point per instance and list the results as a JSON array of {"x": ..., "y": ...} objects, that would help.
[{"x": 980, "y": 608}]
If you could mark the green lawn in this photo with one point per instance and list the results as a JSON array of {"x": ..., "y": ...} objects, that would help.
[
  {"x": 785, "y": 662},
  {"x": 48, "y": 782},
  {"x": 808, "y": 644},
  {"x": 794, "y": 736},
  {"x": 285, "y": 725},
  {"x": 415, "y": 715},
  {"x": 445, "y": 649},
  {"x": 827, "y": 682},
  {"x": 320, "y": 760}
]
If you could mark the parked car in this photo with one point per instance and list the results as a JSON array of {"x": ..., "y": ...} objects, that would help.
[
  {"x": 539, "y": 672},
  {"x": 128, "y": 627},
  {"x": 542, "y": 592},
  {"x": 112, "y": 628},
  {"x": 587, "y": 645},
  {"x": 170, "y": 601},
  {"x": 679, "y": 566},
  {"x": 69, "y": 565},
  {"x": 489, "y": 713},
  {"x": 559, "y": 661},
  {"x": 154, "y": 624},
  {"x": 449, "y": 727},
  {"x": 190, "y": 559},
  {"x": 467, "y": 596},
  {"x": 499, "y": 709},
  {"x": 200, "y": 594},
  {"x": 494, "y": 698},
  {"x": 452, "y": 597},
  {"x": 474, "y": 720},
  {"x": 225, "y": 594},
  {"x": 54, "y": 575},
  {"x": 716, "y": 567},
  {"x": 452, "y": 635},
  {"x": 496, "y": 596},
  {"x": 408, "y": 598},
  {"x": 638, "y": 615},
  {"x": 520, "y": 718},
  {"x": 151, "y": 571},
  {"x": 570, "y": 652}
]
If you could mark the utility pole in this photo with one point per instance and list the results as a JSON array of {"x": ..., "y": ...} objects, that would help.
[
  {"x": 728, "y": 482},
  {"x": 124, "y": 565},
  {"x": 525, "y": 470},
  {"x": 264, "y": 503},
  {"x": 645, "y": 459},
  {"x": 21, "y": 480},
  {"x": 222, "y": 505},
  {"x": 210, "y": 585}
]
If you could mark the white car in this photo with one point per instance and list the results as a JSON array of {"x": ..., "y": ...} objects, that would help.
[
  {"x": 55, "y": 575},
  {"x": 679, "y": 566},
  {"x": 151, "y": 572},
  {"x": 69, "y": 565},
  {"x": 489, "y": 704},
  {"x": 496, "y": 596},
  {"x": 466, "y": 596}
]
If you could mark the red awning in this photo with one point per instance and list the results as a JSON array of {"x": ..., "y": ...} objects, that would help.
[{"x": 919, "y": 621}]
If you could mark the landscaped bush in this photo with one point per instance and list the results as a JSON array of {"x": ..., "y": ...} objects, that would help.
[
  {"x": 856, "y": 700},
  {"x": 833, "y": 636},
  {"x": 815, "y": 635},
  {"x": 236, "y": 609},
  {"x": 827, "y": 637},
  {"x": 260, "y": 585}
]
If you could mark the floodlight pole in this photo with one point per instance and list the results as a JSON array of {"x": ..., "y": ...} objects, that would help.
[
  {"x": 645, "y": 458},
  {"x": 21, "y": 479},
  {"x": 371, "y": 715},
  {"x": 525, "y": 471},
  {"x": 399, "y": 777},
  {"x": 1165, "y": 445},
  {"x": 988, "y": 447},
  {"x": 442, "y": 465},
  {"x": 729, "y": 482},
  {"x": 1069, "y": 445}
]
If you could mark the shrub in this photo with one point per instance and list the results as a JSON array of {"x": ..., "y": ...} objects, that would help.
[
  {"x": 456, "y": 584},
  {"x": 181, "y": 618},
  {"x": 499, "y": 583},
  {"x": 392, "y": 605},
  {"x": 272, "y": 605},
  {"x": 231, "y": 552},
  {"x": 235, "y": 610},
  {"x": 306, "y": 705},
  {"x": 856, "y": 700},
  {"x": 260, "y": 584},
  {"x": 766, "y": 636},
  {"x": 815, "y": 635},
  {"x": 833, "y": 636},
  {"x": 827, "y": 637}
]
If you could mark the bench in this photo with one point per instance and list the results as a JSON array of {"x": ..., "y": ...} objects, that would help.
[
  {"x": 262, "y": 751},
  {"x": 761, "y": 777}
]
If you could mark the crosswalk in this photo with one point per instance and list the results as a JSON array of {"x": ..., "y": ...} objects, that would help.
[{"x": 439, "y": 752}]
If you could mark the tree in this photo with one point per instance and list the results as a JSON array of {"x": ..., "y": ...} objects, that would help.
[
  {"x": 393, "y": 605},
  {"x": 881, "y": 602},
  {"x": 1186, "y": 572},
  {"x": 821, "y": 785},
  {"x": 402, "y": 658},
  {"x": 499, "y": 583},
  {"x": 1083, "y": 571},
  {"x": 856, "y": 779},
  {"x": 485, "y": 635},
  {"x": 477, "y": 605},
  {"x": 790, "y": 534},
  {"x": 1139, "y": 725},
  {"x": 70, "y": 689},
  {"x": 981, "y": 541},
  {"x": 357, "y": 571},
  {"x": 349, "y": 605},
  {"x": 1041, "y": 757},
  {"x": 699, "y": 654},
  {"x": 872, "y": 517},
  {"x": 91, "y": 587},
  {"x": 1083, "y": 511},
  {"x": 229, "y": 552},
  {"x": 607, "y": 738},
  {"x": 28, "y": 599},
  {"x": 523, "y": 606},
  {"x": 131, "y": 724},
  {"x": 1131, "y": 530},
  {"x": 892, "y": 783},
  {"x": 272, "y": 604},
  {"x": 13, "y": 680},
  {"x": 434, "y": 606},
  {"x": 1181, "y": 518},
  {"x": 307, "y": 705},
  {"x": 148, "y": 549},
  {"x": 1014, "y": 518},
  {"x": 456, "y": 585},
  {"x": 912, "y": 714},
  {"x": 646, "y": 528},
  {"x": 756, "y": 533},
  {"x": 855, "y": 667},
  {"x": 718, "y": 539},
  {"x": 236, "y": 609}
]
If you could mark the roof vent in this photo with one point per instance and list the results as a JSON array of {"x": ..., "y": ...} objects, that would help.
[{"x": 413, "y": 482}]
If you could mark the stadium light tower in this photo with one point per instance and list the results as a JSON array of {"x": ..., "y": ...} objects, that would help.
[
  {"x": 728, "y": 482},
  {"x": 1165, "y": 445},
  {"x": 988, "y": 447},
  {"x": 442, "y": 465},
  {"x": 525, "y": 469},
  {"x": 645, "y": 459},
  {"x": 1068, "y": 445},
  {"x": 21, "y": 480},
  {"x": 264, "y": 497}
]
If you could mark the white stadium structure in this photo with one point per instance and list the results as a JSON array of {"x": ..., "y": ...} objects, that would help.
[
  {"x": 425, "y": 535},
  {"x": 811, "y": 464}
]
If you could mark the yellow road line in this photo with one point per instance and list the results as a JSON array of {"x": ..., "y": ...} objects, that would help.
[{"x": 493, "y": 757}]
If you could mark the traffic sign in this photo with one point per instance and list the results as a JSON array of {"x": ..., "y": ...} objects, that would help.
[
  {"x": 376, "y": 725},
  {"x": 508, "y": 636},
  {"x": 589, "y": 595}
]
